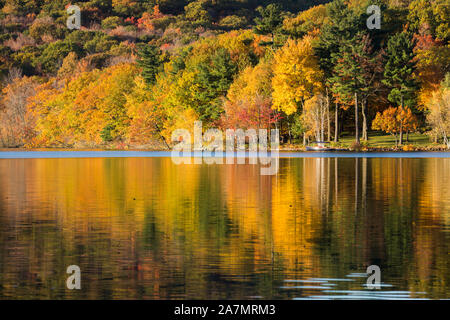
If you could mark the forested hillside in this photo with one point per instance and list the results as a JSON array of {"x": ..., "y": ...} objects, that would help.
[{"x": 137, "y": 70}]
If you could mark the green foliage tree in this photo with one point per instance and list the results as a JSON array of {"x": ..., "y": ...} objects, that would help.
[
  {"x": 335, "y": 52},
  {"x": 342, "y": 27},
  {"x": 233, "y": 22},
  {"x": 53, "y": 55},
  {"x": 112, "y": 22},
  {"x": 399, "y": 69},
  {"x": 347, "y": 80},
  {"x": 213, "y": 80},
  {"x": 430, "y": 17},
  {"x": 197, "y": 12},
  {"x": 270, "y": 21},
  {"x": 150, "y": 62},
  {"x": 358, "y": 70}
]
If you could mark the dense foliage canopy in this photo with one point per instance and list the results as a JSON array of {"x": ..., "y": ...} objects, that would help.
[{"x": 137, "y": 70}]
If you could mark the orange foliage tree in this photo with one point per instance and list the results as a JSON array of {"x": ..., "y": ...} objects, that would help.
[
  {"x": 147, "y": 20},
  {"x": 396, "y": 121}
]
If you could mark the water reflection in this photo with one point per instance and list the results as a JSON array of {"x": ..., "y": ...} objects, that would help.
[{"x": 144, "y": 228}]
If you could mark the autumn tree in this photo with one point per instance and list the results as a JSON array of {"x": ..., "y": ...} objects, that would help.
[
  {"x": 147, "y": 117},
  {"x": 88, "y": 111},
  {"x": 439, "y": 112},
  {"x": 197, "y": 12},
  {"x": 249, "y": 99},
  {"x": 431, "y": 58},
  {"x": 427, "y": 17},
  {"x": 16, "y": 125},
  {"x": 395, "y": 121},
  {"x": 297, "y": 75},
  {"x": 306, "y": 21},
  {"x": 315, "y": 116}
]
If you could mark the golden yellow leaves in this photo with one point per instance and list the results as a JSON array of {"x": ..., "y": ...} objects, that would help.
[{"x": 297, "y": 76}]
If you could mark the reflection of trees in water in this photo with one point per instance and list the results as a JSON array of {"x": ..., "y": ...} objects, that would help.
[{"x": 147, "y": 228}]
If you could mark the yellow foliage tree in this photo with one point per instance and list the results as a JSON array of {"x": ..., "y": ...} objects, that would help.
[
  {"x": 307, "y": 21},
  {"x": 297, "y": 76},
  {"x": 251, "y": 83},
  {"x": 89, "y": 110},
  {"x": 431, "y": 66},
  {"x": 146, "y": 115},
  {"x": 439, "y": 115},
  {"x": 249, "y": 100}
]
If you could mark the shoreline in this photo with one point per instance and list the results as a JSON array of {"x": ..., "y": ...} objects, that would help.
[
  {"x": 105, "y": 154},
  {"x": 405, "y": 148}
]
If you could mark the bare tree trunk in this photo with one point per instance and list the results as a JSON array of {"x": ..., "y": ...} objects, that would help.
[
  {"x": 356, "y": 119},
  {"x": 322, "y": 129},
  {"x": 445, "y": 139},
  {"x": 289, "y": 132},
  {"x": 336, "y": 124},
  {"x": 328, "y": 116},
  {"x": 400, "y": 140},
  {"x": 162, "y": 137},
  {"x": 364, "y": 130}
]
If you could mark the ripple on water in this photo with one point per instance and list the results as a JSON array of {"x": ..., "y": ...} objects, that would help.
[{"x": 327, "y": 291}]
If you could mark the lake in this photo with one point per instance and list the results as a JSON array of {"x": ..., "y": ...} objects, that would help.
[{"x": 141, "y": 227}]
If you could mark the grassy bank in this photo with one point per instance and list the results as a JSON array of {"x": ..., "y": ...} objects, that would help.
[
  {"x": 376, "y": 142},
  {"x": 381, "y": 142}
]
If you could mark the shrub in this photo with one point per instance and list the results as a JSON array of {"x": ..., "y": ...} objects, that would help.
[
  {"x": 25, "y": 59},
  {"x": 100, "y": 43},
  {"x": 233, "y": 22},
  {"x": 46, "y": 28},
  {"x": 53, "y": 55},
  {"x": 409, "y": 147},
  {"x": 356, "y": 146},
  {"x": 163, "y": 22},
  {"x": 112, "y": 22}
]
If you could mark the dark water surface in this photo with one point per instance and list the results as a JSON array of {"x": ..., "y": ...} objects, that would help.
[{"x": 145, "y": 228}]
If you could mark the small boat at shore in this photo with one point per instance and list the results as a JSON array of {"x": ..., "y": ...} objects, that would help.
[{"x": 320, "y": 146}]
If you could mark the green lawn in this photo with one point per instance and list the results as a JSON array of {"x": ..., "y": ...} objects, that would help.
[{"x": 383, "y": 140}]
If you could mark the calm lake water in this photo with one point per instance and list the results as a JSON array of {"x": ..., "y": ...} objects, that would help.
[{"x": 141, "y": 227}]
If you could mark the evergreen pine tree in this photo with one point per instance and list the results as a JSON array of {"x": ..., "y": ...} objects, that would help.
[
  {"x": 399, "y": 69},
  {"x": 150, "y": 62},
  {"x": 270, "y": 21}
]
